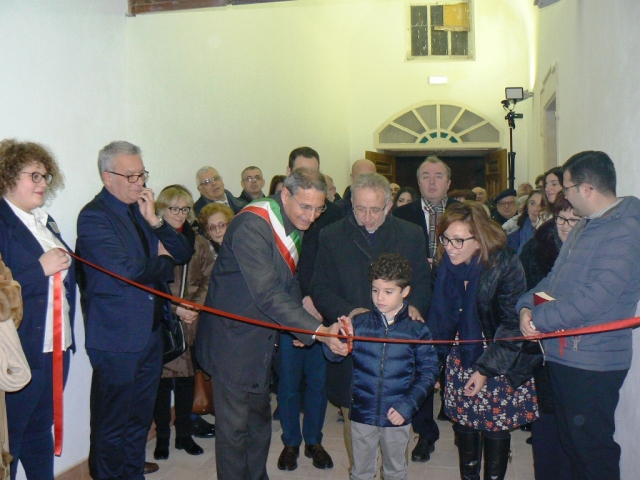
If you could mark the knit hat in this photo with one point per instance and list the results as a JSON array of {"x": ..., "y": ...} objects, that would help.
[{"x": 509, "y": 192}]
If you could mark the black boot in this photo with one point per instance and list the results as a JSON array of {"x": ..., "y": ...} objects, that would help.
[
  {"x": 470, "y": 454},
  {"x": 496, "y": 456},
  {"x": 162, "y": 448}
]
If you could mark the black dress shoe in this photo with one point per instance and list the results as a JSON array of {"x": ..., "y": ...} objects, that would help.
[
  {"x": 321, "y": 459},
  {"x": 187, "y": 444},
  {"x": 200, "y": 428},
  {"x": 150, "y": 468},
  {"x": 423, "y": 450},
  {"x": 162, "y": 448},
  {"x": 288, "y": 459}
]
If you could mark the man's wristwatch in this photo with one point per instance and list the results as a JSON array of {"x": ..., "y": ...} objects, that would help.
[{"x": 158, "y": 225}]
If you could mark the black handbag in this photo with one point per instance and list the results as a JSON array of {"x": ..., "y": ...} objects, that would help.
[{"x": 172, "y": 329}]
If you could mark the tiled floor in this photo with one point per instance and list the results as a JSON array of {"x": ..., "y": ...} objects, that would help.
[{"x": 442, "y": 466}]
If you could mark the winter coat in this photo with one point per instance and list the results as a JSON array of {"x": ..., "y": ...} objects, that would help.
[
  {"x": 595, "y": 281},
  {"x": 341, "y": 282},
  {"x": 498, "y": 291},
  {"x": 198, "y": 275},
  {"x": 386, "y": 375},
  {"x": 15, "y": 373}
]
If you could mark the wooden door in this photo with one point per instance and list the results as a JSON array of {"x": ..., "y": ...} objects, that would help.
[
  {"x": 385, "y": 164},
  {"x": 495, "y": 172}
]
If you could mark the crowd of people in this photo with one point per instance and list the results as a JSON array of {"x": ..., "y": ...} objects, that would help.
[{"x": 393, "y": 264}]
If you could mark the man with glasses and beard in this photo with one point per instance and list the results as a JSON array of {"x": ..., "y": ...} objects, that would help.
[
  {"x": 340, "y": 284},
  {"x": 595, "y": 281}
]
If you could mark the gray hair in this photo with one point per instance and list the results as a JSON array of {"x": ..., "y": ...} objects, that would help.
[
  {"x": 435, "y": 160},
  {"x": 305, "y": 179},
  {"x": 202, "y": 170},
  {"x": 373, "y": 181},
  {"x": 111, "y": 151}
]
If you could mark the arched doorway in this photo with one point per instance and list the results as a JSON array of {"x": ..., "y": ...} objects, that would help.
[{"x": 469, "y": 142}]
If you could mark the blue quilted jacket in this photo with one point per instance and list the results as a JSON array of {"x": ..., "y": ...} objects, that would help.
[{"x": 386, "y": 375}]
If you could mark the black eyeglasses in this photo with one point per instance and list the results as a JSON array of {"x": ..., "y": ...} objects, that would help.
[
  {"x": 37, "y": 177},
  {"x": 566, "y": 189},
  {"x": 572, "y": 222},
  {"x": 457, "y": 243},
  {"x": 133, "y": 178},
  {"x": 176, "y": 210}
]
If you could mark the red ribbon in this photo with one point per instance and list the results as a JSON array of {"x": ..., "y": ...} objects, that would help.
[
  {"x": 608, "y": 327},
  {"x": 58, "y": 414}
]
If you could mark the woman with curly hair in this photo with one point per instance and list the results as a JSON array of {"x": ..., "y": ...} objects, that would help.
[
  {"x": 30, "y": 244},
  {"x": 478, "y": 284},
  {"x": 214, "y": 220}
]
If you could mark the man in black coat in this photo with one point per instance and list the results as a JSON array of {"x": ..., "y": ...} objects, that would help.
[
  {"x": 434, "y": 179},
  {"x": 340, "y": 284},
  {"x": 255, "y": 276}
]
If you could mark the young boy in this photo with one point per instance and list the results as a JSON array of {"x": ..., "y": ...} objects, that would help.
[{"x": 390, "y": 380}]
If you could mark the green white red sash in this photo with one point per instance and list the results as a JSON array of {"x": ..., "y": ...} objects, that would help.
[{"x": 290, "y": 246}]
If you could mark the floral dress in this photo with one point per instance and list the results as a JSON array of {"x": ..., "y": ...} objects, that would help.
[{"x": 498, "y": 406}]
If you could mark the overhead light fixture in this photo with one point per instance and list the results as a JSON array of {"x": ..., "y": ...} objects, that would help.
[{"x": 437, "y": 80}]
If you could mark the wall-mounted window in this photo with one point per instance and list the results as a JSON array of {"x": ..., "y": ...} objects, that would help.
[{"x": 441, "y": 30}]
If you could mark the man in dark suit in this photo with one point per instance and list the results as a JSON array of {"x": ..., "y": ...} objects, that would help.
[
  {"x": 255, "y": 276},
  {"x": 119, "y": 230},
  {"x": 434, "y": 179},
  {"x": 211, "y": 188}
]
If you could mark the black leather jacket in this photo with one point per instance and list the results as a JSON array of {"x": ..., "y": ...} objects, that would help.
[{"x": 499, "y": 289}]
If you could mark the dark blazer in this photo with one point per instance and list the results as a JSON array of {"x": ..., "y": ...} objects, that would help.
[
  {"x": 413, "y": 213},
  {"x": 119, "y": 316},
  {"x": 341, "y": 278},
  {"x": 235, "y": 203},
  {"x": 250, "y": 278},
  {"x": 21, "y": 252}
]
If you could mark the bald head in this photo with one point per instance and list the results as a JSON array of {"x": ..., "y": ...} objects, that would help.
[
  {"x": 362, "y": 166},
  {"x": 481, "y": 194}
]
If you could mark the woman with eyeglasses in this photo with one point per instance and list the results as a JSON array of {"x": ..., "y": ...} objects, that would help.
[
  {"x": 30, "y": 245},
  {"x": 478, "y": 284},
  {"x": 175, "y": 206},
  {"x": 214, "y": 220},
  {"x": 538, "y": 257}
]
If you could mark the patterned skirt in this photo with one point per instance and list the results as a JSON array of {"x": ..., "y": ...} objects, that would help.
[{"x": 498, "y": 406}]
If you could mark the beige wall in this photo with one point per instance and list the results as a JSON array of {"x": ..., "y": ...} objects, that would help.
[{"x": 244, "y": 85}]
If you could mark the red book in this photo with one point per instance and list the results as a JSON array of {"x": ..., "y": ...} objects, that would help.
[{"x": 541, "y": 297}]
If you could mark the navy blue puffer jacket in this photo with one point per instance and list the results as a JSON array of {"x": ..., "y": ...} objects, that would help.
[{"x": 386, "y": 375}]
